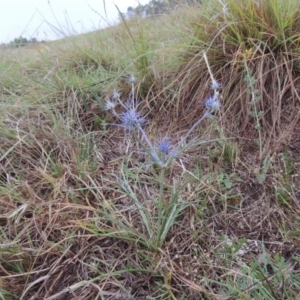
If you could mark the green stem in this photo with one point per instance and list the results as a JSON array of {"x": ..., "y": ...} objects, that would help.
[
  {"x": 160, "y": 206},
  {"x": 254, "y": 97},
  {"x": 152, "y": 151}
]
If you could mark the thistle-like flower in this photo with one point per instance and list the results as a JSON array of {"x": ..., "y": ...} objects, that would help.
[
  {"x": 132, "y": 119},
  {"x": 109, "y": 105},
  {"x": 132, "y": 79},
  {"x": 164, "y": 146},
  {"x": 116, "y": 95},
  {"x": 213, "y": 104},
  {"x": 215, "y": 85}
]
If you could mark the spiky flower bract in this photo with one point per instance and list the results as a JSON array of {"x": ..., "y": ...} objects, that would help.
[
  {"x": 215, "y": 85},
  {"x": 164, "y": 146},
  {"x": 116, "y": 95},
  {"x": 109, "y": 105},
  {"x": 213, "y": 104},
  {"x": 129, "y": 104},
  {"x": 132, "y": 79},
  {"x": 132, "y": 119}
]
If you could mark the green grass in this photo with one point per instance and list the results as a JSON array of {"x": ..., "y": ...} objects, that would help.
[{"x": 86, "y": 214}]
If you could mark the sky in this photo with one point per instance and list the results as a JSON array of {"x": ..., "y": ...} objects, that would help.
[{"x": 54, "y": 19}]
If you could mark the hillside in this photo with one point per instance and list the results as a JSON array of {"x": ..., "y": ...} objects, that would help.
[{"x": 155, "y": 159}]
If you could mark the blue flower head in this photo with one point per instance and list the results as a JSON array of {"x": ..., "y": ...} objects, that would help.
[
  {"x": 164, "y": 146},
  {"x": 132, "y": 119},
  {"x": 213, "y": 104}
]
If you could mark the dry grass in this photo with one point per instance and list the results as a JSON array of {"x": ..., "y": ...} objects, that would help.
[{"x": 85, "y": 215}]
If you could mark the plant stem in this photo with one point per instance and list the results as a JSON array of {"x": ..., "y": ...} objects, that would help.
[
  {"x": 152, "y": 151},
  {"x": 208, "y": 67},
  {"x": 160, "y": 206},
  {"x": 177, "y": 150}
]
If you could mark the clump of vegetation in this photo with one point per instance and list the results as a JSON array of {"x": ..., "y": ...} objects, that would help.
[
  {"x": 22, "y": 42},
  {"x": 156, "y": 7},
  {"x": 177, "y": 182},
  {"x": 256, "y": 40}
]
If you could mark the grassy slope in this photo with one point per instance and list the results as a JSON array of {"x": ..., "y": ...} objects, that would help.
[{"x": 84, "y": 216}]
